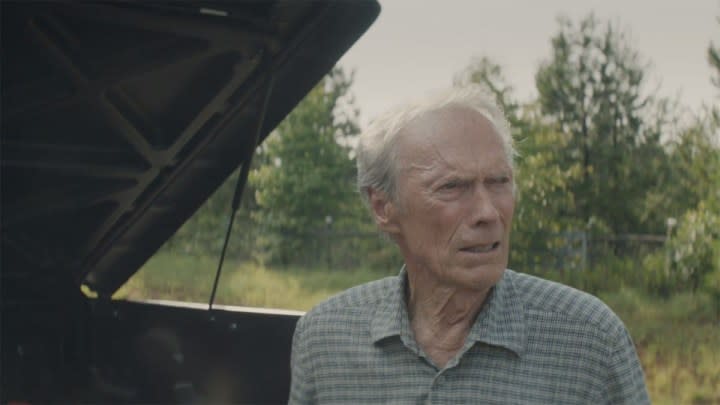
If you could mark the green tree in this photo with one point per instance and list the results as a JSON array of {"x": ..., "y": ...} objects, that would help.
[
  {"x": 689, "y": 191},
  {"x": 695, "y": 248},
  {"x": 592, "y": 88},
  {"x": 305, "y": 181},
  {"x": 713, "y": 56},
  {"x": 545, "y": 205},
  {"x": 489, "y": 74},
  {"x": 691, "y": 177}
]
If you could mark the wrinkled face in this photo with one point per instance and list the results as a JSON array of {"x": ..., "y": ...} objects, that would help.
[{"x": 454, "y": 202}]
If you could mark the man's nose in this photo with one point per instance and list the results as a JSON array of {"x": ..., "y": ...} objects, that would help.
[{"x": 483, "y": 207}]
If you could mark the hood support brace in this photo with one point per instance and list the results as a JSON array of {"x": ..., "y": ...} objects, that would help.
[{"x": 240, "y": 185}]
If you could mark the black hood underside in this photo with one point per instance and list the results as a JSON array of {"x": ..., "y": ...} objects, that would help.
[{"x": 119, "y": 119}]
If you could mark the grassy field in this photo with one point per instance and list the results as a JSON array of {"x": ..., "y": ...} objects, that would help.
[{"x": 678, "y": 339}]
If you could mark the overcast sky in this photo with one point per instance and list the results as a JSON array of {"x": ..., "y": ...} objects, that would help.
[{"x": 416, "y": 46}]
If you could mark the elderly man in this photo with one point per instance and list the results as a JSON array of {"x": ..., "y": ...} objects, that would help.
[{"x": 455, "y": 326}]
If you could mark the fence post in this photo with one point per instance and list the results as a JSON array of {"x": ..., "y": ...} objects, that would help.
[
  {"x": 669, "y": 223},
  {"x": 328, "y": 245},
  {"x": 584, "y": 250}
]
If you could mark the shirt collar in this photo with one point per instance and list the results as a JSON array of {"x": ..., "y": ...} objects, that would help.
[
  {"x": 390, "y": 313},
  {"x": 500, "y": 322}
]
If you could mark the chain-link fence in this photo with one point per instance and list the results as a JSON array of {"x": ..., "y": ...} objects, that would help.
[
  {"x": 579, "y": 250},
  {"x": 338, "y": 249}
]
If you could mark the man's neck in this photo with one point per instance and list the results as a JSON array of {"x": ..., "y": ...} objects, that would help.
[{"x": 441, "y": 316}]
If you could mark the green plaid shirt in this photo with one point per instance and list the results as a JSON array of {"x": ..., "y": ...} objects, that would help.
[{"x": 534, "y": 342}]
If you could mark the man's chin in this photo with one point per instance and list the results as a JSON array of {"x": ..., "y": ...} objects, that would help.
[{"x": 480, "y": 278}]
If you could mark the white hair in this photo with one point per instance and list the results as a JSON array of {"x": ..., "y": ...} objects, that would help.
[{"x": 376, "y": 150}]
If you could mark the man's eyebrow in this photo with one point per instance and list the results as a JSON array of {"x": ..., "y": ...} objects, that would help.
[{"x": 421, "y": 167}]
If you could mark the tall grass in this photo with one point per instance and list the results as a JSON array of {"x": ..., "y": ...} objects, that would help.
[
  {"x": 678, "y": 338},
  {"x": 190, "y": 278},
  {"x": 678, "y": 341}
]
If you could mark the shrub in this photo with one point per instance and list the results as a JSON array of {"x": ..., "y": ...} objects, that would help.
[{"x": 695, "y": 248}]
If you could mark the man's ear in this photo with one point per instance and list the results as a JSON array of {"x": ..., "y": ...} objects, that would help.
[{"x": 384, "y": 211}]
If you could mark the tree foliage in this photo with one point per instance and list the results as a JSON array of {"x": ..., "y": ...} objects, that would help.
[
  {"x": 592, "y": 88},
  {"x": 306, "y": 179},
  {"x": 713, "y": 57},
  {"x": 489, "y": 74}
]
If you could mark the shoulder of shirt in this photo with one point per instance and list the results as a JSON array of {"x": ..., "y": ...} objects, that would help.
[
  {"x": 547, "y": 297},
  {"x": 361, "y": 298}
]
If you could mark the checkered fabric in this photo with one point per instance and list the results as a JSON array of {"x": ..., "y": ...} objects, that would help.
[{"x": 534, "y": 342}]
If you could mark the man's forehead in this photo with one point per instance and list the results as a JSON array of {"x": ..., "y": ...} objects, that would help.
[
  {"x": 422, "y": 142},
  {"x": 437, "y": 125}
]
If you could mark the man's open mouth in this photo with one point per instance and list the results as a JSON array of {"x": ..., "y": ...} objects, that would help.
[{"x": 481, "y": 248}]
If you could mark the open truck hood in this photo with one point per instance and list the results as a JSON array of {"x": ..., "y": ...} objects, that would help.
[{"x": 119, "y": 119}]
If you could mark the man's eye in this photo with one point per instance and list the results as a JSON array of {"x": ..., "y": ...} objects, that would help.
[
  {"x": 499, "y": 180},
  {"x": 453, "y": 185}
]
